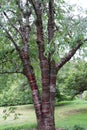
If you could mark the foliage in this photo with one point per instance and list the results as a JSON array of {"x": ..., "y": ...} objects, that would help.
[
  {"x": 3, "y": 82},
  {"x": 68, "y": 29},
  {"x": 58, "y": 95},
  {"x": 11, "y": 98},
  {"x": 73, "y": 81},
  {"x": 84, "y": 95},
  {"x": 17, "y": 92},
  {"x": 9, "y": 111}
]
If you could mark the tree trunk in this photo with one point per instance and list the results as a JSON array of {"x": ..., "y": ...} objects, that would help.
[
  {"x": 44, "y": 108},
  {"x": 48, "y": 105},
  {"x": 47, "y": 126}
]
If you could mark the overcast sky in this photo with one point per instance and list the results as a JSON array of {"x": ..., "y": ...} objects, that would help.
[
  {"x": 80, "y": 6},
  {"x": 82, "y": 3}
]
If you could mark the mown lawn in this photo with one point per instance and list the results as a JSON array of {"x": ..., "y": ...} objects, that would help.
[
  {"x": 67, "y": 114},
  {"x": 74, "y": 113}
]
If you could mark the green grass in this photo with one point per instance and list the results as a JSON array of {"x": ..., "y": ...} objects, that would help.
[
  {"x": 18, "y": 127},
  {"x": 27, "y": 118},
  {"x": 67, "y": 114},
  {"x": 72, "y": 113}
]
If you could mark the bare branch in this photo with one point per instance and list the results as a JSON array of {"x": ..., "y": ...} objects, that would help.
[{"x": 71, "y": 53}]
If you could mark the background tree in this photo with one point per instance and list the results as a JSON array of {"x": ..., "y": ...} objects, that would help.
[
  {"x": 77, "y": 79},
  {"x": 72, "y": 82},
  {"x": 39, "y": 29}
]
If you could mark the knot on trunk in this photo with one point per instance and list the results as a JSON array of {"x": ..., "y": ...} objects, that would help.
[{"x": 52, "y": 88}]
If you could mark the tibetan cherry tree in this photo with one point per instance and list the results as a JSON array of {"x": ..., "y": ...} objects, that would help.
[{"x": 47, "y": 30}]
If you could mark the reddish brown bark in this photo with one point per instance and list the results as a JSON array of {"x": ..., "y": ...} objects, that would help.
[
  {"x": 44, "y": 72},
  {"x": 52, "y": 66},
  {"x": 29, "y": 73}
]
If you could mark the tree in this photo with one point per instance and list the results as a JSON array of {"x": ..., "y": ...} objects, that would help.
[
  {"x": 76, "y": 81},
  {"x": 38, "y": 25},
  {"x": 72, "y": 82}
]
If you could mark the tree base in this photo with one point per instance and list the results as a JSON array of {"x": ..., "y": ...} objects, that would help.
[{"x": 46, "y": 128}]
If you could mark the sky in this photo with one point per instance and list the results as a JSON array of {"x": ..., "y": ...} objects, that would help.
[
  {"x": 82, "y": 3},
  {"x": 80, "y": 6}
]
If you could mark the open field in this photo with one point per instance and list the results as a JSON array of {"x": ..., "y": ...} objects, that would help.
[{"x": 67, "y": 114}]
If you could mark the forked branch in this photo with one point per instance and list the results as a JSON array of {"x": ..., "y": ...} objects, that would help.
[{"x": 70, "y": 54}]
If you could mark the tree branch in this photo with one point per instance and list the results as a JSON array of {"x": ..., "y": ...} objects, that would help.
[
  {"x": 70, "y": 54},
  {"x": 51, "y": 20},
  {"x": 36, "y": 6},
  {"x": 20, "y": 6},
  {"x": 11, "y": 38},
  {"x": 27, "y": 15},
  {"x": 24, "y": 29},
  {"x": 39, "y": 28}
]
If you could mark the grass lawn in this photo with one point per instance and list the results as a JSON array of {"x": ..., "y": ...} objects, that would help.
[
  {"x": 67, "y": 114},
  {"x": 71, "y": 114}
]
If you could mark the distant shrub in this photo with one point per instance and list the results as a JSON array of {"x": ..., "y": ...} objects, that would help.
[{"x": 84, "y": 95}]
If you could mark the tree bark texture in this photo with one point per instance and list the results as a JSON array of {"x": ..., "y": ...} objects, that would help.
[{"x": 44, "y": 108}]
